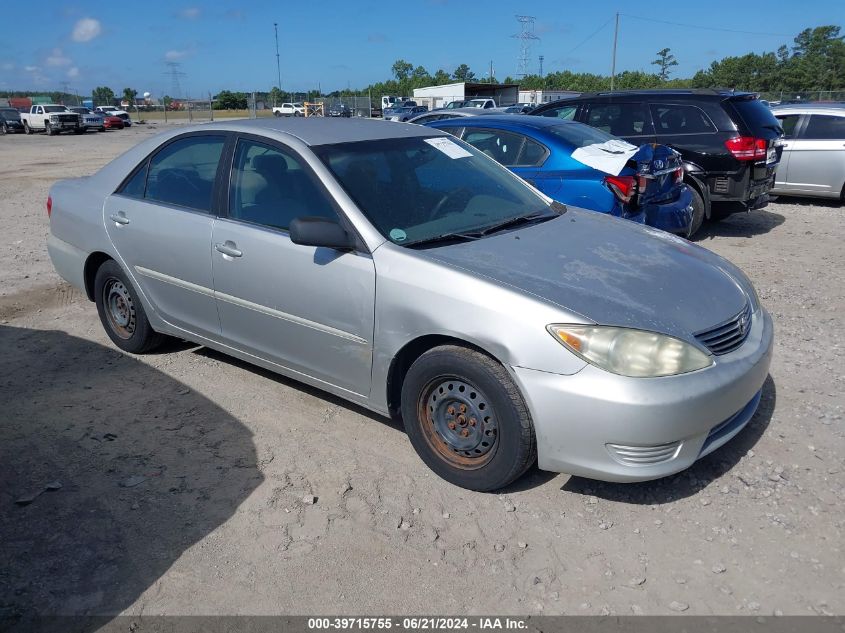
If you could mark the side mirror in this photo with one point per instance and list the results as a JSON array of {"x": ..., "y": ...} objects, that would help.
[{"x": 320, "y": 232}]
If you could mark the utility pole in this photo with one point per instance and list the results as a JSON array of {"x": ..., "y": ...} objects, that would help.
[
  {"x": 541, "y": 65},
  {"x": 278, "y": 65},
  {"x": 491, "y": 71},
  {"x": 613, "y": 64}
]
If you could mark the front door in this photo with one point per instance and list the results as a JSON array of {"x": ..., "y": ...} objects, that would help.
[
  {"x": 308, "y": 309},
  {"x": 160, "y": 223}
]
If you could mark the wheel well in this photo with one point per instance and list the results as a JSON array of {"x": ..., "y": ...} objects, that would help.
[
  {"x": 92, "y": 265},
  {"x": 406, "y": 356},
  {"x": 699, "y": 187}
]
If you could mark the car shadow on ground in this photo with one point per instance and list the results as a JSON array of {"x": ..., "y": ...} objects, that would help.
[
  {"x": 743, "y": 224},
  {"x": 701, "y": 474},
  {"x": 292, "y": 383},
  {"x": 829, "y": 203},
  {"x": 110, "y": 471}
]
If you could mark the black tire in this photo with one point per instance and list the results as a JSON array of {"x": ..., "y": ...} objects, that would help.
[
  {"x": 26, "y": 128},
  {"x": 484, "y": 446},
  {"x": 5, "y": 129},
  {"x": 121, "y": 312},
  {"x": 48, "y": 128},
  {"x": 102, "y": 129},
  {"x": 79, "y": 130},
  {"x": 698, "y": 212}
]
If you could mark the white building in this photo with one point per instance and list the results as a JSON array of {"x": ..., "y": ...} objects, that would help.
[
  {"x": 439, "y": 96},
  {"x": 539, "y": 97}
]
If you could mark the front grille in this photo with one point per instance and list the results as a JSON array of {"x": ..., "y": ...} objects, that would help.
[
  {"x": 68, "y": 118},
  {"x": 727, "y": 336},
  {"x": 643, "y": 455}
]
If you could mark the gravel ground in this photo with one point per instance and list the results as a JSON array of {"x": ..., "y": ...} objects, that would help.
[{"x": 192, "y": 483}]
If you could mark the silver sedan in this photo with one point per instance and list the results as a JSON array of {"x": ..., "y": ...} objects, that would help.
[
  {"x": 813, "y": 160},
  {"x": 405, "y": 271}
]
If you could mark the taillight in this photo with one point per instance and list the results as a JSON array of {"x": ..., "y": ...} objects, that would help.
[
  {"x": 623, "y": 186},
  {"x": 49, "y": 206},
  {"x": 679, "y": 174},
  {"x": 747, "y": 147}
]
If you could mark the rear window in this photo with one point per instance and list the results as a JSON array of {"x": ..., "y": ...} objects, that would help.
[
  {"x": 758, "y": 119},
  {"x": 580, "y": 135}
]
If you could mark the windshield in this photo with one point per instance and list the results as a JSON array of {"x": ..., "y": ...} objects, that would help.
[
  {"x": 418, "y": 189},
  {"x": 580, "y": 135},
  {"x": 9, "y": 113}
]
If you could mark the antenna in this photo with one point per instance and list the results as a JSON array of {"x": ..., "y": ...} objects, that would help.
[
  {"x": 525, "y": 37},
  {"x": 175, "y": 73}
]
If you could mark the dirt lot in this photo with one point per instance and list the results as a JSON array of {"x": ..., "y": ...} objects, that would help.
[{"x": 192, "y": 483}]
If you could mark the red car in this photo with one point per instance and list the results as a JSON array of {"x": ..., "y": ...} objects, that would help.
[{"x": 112, "y": 122}]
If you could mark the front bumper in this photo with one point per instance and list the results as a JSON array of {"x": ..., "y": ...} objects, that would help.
[
  {"x": 599, "y": 425},
  {"x": 673, "y": 216}
]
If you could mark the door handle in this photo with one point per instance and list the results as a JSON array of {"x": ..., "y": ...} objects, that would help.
[
  {"x": 119, "y": 218},
  {"x": 228, "y": 248}
]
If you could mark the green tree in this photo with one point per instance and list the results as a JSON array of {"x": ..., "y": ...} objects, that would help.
[
  {"x": 665, "y": 60},
  {"x": 103, "y": 95},
  {"x": 228, "y": 100},
  {"x": 401, "y": 69},
  {"x": 463, "y": 73},
  {"x": 441, "y": 77},
  {"x": 275, "y": 96},
  {"x": 129, "y": 95}
]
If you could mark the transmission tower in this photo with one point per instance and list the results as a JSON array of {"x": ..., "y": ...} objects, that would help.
[
  {"x": 526, "y": 37},
  {"x": 175, "y": 84},
  {"x": 541, "y": 65}
]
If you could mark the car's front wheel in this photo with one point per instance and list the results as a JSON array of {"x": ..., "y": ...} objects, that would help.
[
  {"x": 26, "y": 128},
  {"x": 466, "y": 418},
  {"x": 698, "y": 212},
  {"x": 121, "y": 311}
]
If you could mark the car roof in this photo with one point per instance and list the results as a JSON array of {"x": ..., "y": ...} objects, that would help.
[
  {"x": 510, "y": 120},
  {"x": 799, "y": 108},
  {"x": 691, "y": 93},
  {"x": 322, "y": 130}
]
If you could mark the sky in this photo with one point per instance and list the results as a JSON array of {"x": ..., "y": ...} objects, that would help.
[{"x": 337, "y": 44}]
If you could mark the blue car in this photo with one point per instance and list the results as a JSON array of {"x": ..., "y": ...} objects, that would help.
[{"x": 648, "y": 188}]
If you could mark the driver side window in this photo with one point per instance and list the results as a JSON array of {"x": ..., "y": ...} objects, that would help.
[{"x": 271, "y": 187}]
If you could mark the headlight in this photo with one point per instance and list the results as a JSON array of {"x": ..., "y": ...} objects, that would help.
[{"x": 627, "y": 352}]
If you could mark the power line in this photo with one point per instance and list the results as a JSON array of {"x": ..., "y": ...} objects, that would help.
[
  {"x": 588, "y": 38},
  {"x": 705, "y": 28}
]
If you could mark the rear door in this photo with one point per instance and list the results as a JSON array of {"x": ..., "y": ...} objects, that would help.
[
  {"x": 817, "y": 160},
  {"x": 160, "y": 222},
  {"x": 629, "y": 120},
  {"x": 790, "y": 123},
  {"x": 688, "y": 129},
  {"x": 308, "y": 309}
]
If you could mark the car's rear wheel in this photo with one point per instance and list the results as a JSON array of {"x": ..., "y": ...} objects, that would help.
[
  {"x": 121, "y": 311},
  {"x": 466, "y": 418},
  {"x": 697, "y": 212}
]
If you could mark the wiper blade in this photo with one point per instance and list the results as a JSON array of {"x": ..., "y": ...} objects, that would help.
[
  {"x": 531, "y": 218},
  {"x": 444, "y": 237}
]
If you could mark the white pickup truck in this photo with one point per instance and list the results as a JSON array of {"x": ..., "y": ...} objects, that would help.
[
  {"x": 53, "y": 119},
  {"x": 289, "y": 109}
]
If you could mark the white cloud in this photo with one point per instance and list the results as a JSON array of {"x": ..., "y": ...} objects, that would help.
[
  {"x": 8, "y": 66},
  {"x": 58, "y": 58},
  {"x": 190, "y": 13},
  {"x": 86, "y": 30},
  {"x": 73, "y": 73},
  {"x": 174, "y": 56},
  {"x": 31, "y": 69}
]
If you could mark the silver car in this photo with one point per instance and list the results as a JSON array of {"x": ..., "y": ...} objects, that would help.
[
  {"x": 403, "y": 270},
  {"x": 813, "y": 160}
]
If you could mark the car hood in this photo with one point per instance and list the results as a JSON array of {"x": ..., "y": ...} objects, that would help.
[{"x": 609, "y": 271}]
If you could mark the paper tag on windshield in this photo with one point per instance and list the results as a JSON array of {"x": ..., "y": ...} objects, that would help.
[{"x": 445, "y": 145}]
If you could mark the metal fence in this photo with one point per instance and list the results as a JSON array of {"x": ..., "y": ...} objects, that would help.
[{"x": 809, "y": 96}]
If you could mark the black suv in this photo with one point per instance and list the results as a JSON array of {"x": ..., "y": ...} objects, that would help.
[{"x": 727, "y": 139}]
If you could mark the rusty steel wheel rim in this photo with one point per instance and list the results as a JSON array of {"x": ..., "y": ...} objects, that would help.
[
  {"x": 119, "y": 308},
  {"x": 459, "y": 422}
]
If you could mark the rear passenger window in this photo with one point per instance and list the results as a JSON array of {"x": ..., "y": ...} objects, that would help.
[
  {"x": 271, "y": 188},
  {"x": 502, "y": 147},
  {"x": 824, "y": 126},
  {"x": 680, "y": 119},
  {"x": 620, "y": 119},
  {"x": 183, "y": 172},
  {"x": 533, "y": 154}
]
